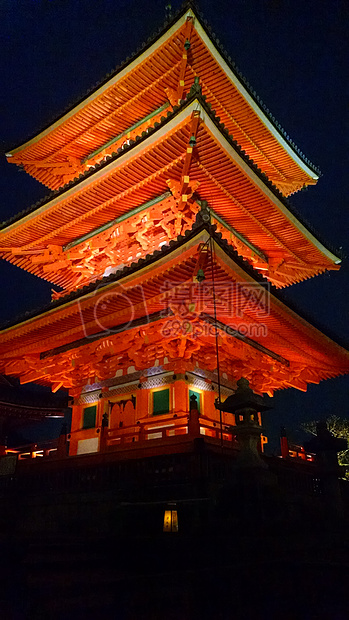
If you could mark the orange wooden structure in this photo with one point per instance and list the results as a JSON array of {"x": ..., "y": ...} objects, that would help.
[
  {"x": 138, "y": 93},
  {"x": 167, "y": 224}
]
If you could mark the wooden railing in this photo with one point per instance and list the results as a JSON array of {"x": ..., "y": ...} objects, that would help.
[
  {"x": 164, "y": 427},
  {"x": 33, "y": 451},
  {"x": 292, "y": 451},
  {"x": 156, "y": 430},
  {"x": 54, "y": 448}
]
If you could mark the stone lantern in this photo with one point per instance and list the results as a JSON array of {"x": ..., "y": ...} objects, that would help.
[
  {"x": 246, "y": 405},
  {"x": 250, "y": 496}
]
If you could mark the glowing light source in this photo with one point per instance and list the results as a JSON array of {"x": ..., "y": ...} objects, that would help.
[{"x": 170, "y": 520}]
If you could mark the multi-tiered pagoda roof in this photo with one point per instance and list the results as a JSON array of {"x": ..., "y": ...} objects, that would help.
[
  {"x": 71, "y": 236},
  {"x": 139, "y": 91},
  {"x": 170, "y": 167},
  {"x": 126, "y": 320}
]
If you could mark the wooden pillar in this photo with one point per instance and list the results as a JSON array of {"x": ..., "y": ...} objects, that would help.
[
  {"x": 142, "y": 404},
  {"x": 209, "y": 409},
  {"x": 181, "y": 401}
]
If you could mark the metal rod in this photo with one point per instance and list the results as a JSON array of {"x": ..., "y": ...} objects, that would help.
[
  {"x": 234, "y": 333},
  {"x": 216, "y": 338}
]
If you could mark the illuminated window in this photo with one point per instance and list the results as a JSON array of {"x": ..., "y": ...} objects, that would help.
[
  {"x": 197, "y": 394},
  {"x": 170, "y": 521},
  {"x": 89, "y": 417},
  {"x": 161, "y": 402}
]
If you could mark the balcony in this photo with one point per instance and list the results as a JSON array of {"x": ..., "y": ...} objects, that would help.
[{"x": 168, "y": 428}]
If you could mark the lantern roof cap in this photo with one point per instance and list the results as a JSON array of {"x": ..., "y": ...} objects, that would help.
[{"x": 244, "y": 398}]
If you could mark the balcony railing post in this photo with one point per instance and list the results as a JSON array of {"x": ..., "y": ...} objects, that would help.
[
  {"x": 142, "y": 433},
  {"x": 194, "y": 422},
  {"x": 285, "y": 451},
  {"x": 103, "y": 442}
]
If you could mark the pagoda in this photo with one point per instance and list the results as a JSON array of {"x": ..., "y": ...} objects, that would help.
[{"x": 167, "y": 236}]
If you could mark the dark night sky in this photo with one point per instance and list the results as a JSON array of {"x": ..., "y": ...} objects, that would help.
[{"x": 294, "y": 53}]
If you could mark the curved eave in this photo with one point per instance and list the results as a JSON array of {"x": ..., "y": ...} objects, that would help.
[
  {"x": 118, "y": 76},
  {"x": 287, "y": 327},
  {"x": 279, "y": 304},
  {"x": 254, "y": 104},
  {"x": 175, "y": 119},
  {"x": 271, "y": 193},
  {"x": 233, "y": 76},
  {"x": 160, "y": 258},
  {"x": 17, "y": 410}
]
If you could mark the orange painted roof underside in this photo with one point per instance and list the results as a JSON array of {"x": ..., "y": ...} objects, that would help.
[
  {"x": 141, "y": 172},
  {"x": 306, "y": 355},
  {"x": 57, "y": 155}
]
